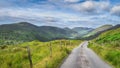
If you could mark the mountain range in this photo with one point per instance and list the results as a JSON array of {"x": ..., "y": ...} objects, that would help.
[
  {"x": 96, "y": 32},
  {"x": 24, "y": 31},
  {"x": 82, "y": 30}
]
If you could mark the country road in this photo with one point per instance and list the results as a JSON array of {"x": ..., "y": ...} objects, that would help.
[{"x": 83, "y": 57}]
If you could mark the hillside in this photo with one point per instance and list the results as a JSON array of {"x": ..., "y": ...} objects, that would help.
[
  {"x": 96, "y": 32},
  {"x": 109, "y": 36},
  {"x": 72, "y": 32},
  {"x": 23, "y": 31},
  {"x": 107, "y": 45},
  {"x": 20, "y": 32},
  {"x": 82, "y": 30}
]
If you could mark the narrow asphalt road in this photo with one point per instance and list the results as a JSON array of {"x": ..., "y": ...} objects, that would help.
[{"x": 83, "y": 57}]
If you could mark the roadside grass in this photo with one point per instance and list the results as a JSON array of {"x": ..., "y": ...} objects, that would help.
[
  {"x": 16, "y": 56},
  {"x": 107, "y": 46},
  {"x": 110, "y": 53}
]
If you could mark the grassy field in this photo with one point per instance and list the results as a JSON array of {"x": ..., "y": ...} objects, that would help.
[
  {"x": 44, "y": 54},
  {"x": 107, "y": 46}
]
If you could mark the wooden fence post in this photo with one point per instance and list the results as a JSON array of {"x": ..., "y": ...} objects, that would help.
[
  {"x": 60, "y": 45},
  {"x": 29, "y": 56},
  {"x": 70, "y": 42},
  {"x": 50, "y": 50},
  {"x": 46, "y": 64},
  {"x": 65, "y": 44}
]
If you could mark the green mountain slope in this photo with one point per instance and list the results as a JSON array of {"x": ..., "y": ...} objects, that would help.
[
  {"x": 109, "y": 36},
  {"x": 19, "y": 32},
  {"x": 23, "y": 31},
  {"x": 72, "y": 32},
  {"x": 82, "y": 30},
  {"x": 107, "y": 45},
  {"x": 96, "y": 32}
]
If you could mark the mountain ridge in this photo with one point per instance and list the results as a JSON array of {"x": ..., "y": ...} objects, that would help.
[
  {"x": 25, "y": 31},
  {"x": 102, "y": 31}
]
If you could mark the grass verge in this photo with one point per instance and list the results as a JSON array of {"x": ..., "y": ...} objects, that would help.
[
  {"x": 44, "y": 54},
  {"x": 108, "y": 52}
]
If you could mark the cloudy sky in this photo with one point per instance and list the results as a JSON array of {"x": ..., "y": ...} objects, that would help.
[{"x": 61, "y": 13}]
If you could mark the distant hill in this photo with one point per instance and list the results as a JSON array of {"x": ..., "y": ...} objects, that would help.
[
  {"x": 24, "y": 31},
  {"x": 111, "y": 35},
  {"x": 99, "y": 29},
  {"x": 96, "y": 32},
  {"x": 55, "y": 32},
  {"x": 72, "y": 32},
  {"x": 82, "y": 30},
  {"x": 18, "y": 32}
]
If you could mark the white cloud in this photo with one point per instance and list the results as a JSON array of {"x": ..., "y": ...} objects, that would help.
[
  {"x": 116, "y": 10},
  {"x": 62, "y": 13},
  {"x": 37, "y": 14},
  {"x": 71, "y": 0},
  {"x": 87, "y": 6},
  {"x": 105, "y": 5},
  {"x": 91, "y": 6}
]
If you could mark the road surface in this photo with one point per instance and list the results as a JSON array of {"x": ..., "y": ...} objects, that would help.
[{"x": 83, "y": 57}]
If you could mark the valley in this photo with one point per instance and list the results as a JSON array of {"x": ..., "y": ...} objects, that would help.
[
  {"x": 49, "y": 46},
  {"x": 59, "y": 33}
]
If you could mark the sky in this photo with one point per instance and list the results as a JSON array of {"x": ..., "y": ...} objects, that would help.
[{"x": 61, "y": 13}]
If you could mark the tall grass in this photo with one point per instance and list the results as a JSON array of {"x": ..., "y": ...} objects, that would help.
[
  {"x": 15, "y": 56},
  {"x": 107, "y": 51},
  {"x": 107, "y": 45}
]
